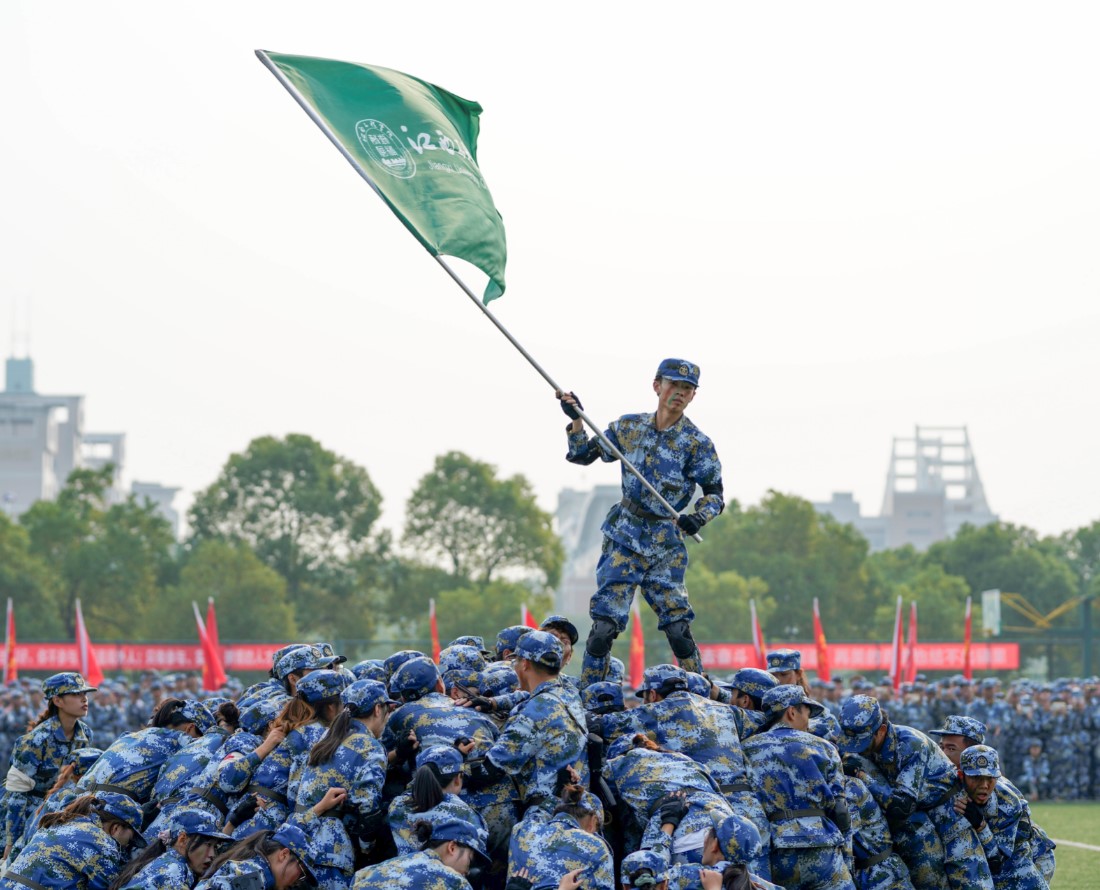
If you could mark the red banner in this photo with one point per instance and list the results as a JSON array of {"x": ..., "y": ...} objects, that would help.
[
  {"x": 54, "y": 657},
  {"x": 872, "y": 656}
]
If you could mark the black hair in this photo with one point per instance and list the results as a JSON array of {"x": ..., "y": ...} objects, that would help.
[
  {"x": 228, "y": 713},
  {"x": 736, "y": 877},
  {"x": 259, "y": 843},
  {"x": 572, "y": 802},
  {"x": 168, "y": 714},
  {"x": 86, "y": 805},
  {"x": 338, "y": 730},
  {"x": 154, "y": 850}
]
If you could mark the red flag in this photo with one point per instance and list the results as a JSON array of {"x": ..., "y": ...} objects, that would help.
[
  {"x": 435, "y": 631},
  {"x": 212, "y": 624},
  {"x": 911, "y": 657},
  {"x": 11, "y": 669},
  {"x": 758, "y": 638},
  {"x": 526, "y": 618},
  {"x": 637, "y": 648},
  {"x": 895, "y": 651},
  {"x": 213, "y": 674},
  {"x": 823, "y": 670},
  {"x": 89, "y": 666},
  {"x": 968, "y": 671}
]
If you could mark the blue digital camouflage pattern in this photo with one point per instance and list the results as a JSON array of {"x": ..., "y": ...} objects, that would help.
[
  {"x": 871, "y": 841},
  {"x": 1009, "y": 819},
  {"x": 784, "y": 660},
  {"x": 401, "y": 818},
  {"x": 268, "y": 777},
  {"x": 649, "y": 552},
  {"x": 181, "y": 772},
  {"x": 39, "y": 754},
  {"x": 78, "y": 855},
  {"x": 169, "y": 871},
  {"x": 956, "y": 724},
  {"x": 688, "y": 874},
  {"x": 134, "y": 761},
  {"x": 233, "y": 874},
  {"x": 549, "y": 847},
  {"x": 542, "y": 735},
  {"x": 414, "y": 871},
  {"x": 359, "y": 767},
  {"x": 800, "y": 784}
]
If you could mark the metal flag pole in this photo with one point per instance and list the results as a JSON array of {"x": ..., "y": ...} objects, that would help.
[
  {"x": 351, "y": 159},
  {"x": 607, "y": 443}
]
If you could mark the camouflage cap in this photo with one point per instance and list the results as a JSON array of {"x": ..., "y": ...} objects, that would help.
[
  {"x": 123, "y": 807},
  {"x": 83, "y": 758},
  {"x": 776, "y": 701},
  {"x": 303, "y": 658},
  {"x": 560, "y": 622},
  {"x": 542, "y": 649},
  {"x": 447, "y": 827},
  {"x": 195, "y": 712},
  {"x": 679, "y": 370},
  {"x": 294, "y": 839},
  {"x": 393, "y": 662},
  {"x": 968, "y": 727},
  {"x": 459, "y": 657},
  {"x": 508, "y": 638},
  {"x": 414, "y": 679},
  {"x": 362, "y": 696},
  {"x": 980, "y": 760},
  {"x": 860, "y": 718},
  {"x": 698, "y": 684},
  {"x": 258, "y": 715},
  {"x": 784, "y": 660},
  {"x": 644, "y": 868},
  {"x": 447, "y": 759},
  {"x": 470, "y": 640},
  {"x": 738, "y": 839},
  {"x": 604, "y": 697},
  {"x": 663, "y": 679},
  {"x": 497, "y": 680},
  {"x": 753, "y": 681},
  {"x": 316, "y": 686},
  {"x": 195, "y": 820},
  {"x": 370, "y": 669},
  {"x": 67, "y": 683},
  {"x": 616, "y": 670}
]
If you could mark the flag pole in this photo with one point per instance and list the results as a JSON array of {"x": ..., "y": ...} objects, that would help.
[
  {"x": 673, "y": 513},
  {"x": 350, "y": 158}
]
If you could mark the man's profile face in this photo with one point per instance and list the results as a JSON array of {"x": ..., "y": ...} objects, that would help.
[
  {"x": 673, "y": 395},
  {"x": 786, "y": 678},
  {"x": 953, "y": 746}
]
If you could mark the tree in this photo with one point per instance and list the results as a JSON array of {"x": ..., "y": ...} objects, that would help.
[
  {"x": 798, "y": 553},
  {"x": 113, "y": 558},
  {"x": 307, "y": 513},
  {"x": 481, "y": 525},
  {"x": 251, "y": 598},
  {"x": 484, "y": 610},
  {"x": 30, "y": 584},
  {"x": 940, "y": 597}
]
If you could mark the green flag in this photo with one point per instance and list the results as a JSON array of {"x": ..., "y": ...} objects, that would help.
[{"x": 416, "y": 145}]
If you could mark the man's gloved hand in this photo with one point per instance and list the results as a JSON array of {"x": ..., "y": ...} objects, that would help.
[
  {"x": 482, "y": 703},
  {"x": 672, "y": 808},
  {"x": 406, "y": 748},
  {"x": 570, "y": 411},
  {"x": 853, "y": 766},
  {"x": 974, "y": 815},
  {"x": 690, "y": 522},
  {"x": 244, "y": 810}
]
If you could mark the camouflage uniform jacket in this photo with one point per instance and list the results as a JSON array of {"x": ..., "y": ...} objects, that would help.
[
  {"x": 134, "y": 760},
  {"x": 78, "y": 855},
  {"x": 416, "y": 871},
  {"x": 551, "y": 846},
  {"x": 169, "y": 871}
]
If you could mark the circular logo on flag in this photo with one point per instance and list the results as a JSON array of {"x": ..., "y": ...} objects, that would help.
[{"x": 385, "y": 148}]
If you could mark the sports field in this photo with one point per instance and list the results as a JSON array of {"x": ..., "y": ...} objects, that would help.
[{"x": 1077, "y": 868}]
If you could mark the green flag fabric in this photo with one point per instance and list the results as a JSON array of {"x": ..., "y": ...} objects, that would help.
[{"x": 415, "y": 143}]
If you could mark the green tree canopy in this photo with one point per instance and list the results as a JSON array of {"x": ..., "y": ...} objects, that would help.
[
  {"x": 940, "y": 597},
  {"x": 113, "y": 558},
  {"x": 480, "y": 525},
  {"x": 28, "y": 581},
  {"x": 484, "y": 610},
  {"x": 299, "y": 506}
]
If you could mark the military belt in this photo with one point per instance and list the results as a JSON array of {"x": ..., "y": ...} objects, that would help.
[
  {"x": 213, "y": 800},
  {"x": 783, "y": 815},
  {"x": 635, "y": 509},
  {"x": 25, "y": 881},
  {"x": 861, "y": 864},
  {"x": 117, "y": 789},
  {"x": 736, "y": 786},
  {"x": 269, "y": 793}
]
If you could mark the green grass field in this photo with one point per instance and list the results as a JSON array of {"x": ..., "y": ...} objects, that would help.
[{"x": 1077, "y": 869}]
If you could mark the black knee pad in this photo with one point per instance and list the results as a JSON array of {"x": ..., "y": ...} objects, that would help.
[
  {"x": 680, "y": 639},
  {"x": 600, "y": 637}
]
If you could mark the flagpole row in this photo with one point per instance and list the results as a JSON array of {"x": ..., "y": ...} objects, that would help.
[{"x": 607, "y": 443}]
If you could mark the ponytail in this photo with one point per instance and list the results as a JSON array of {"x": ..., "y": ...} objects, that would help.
[
  {"x": 334, "y": 736},
  {"x": 47, "y": 712},
  {"x": 427, "y": 788},
  {"x": 736, "y": 877}
]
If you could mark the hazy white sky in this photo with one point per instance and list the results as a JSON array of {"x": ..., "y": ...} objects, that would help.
[{"x": 856, "y": 217}]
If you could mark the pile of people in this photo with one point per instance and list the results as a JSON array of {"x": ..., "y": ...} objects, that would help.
[{"x": 494, "y": 769}]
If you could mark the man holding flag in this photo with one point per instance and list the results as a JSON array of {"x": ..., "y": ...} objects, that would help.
[{"x": 643, "y": 545}]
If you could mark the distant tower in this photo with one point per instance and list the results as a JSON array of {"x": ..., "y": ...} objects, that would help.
[{"x": 932, "y": 487}]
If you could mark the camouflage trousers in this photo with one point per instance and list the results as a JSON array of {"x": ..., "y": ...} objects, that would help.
[
  {"x": 811, "y": 868},
  {"x": 661, "y": 580}
]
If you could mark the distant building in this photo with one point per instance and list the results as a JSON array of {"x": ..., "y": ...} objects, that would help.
[
  {"x": 42, "y": 440},
  {"x": 162, "y": 496},
  {"x": 932, "y": 490},
  {"x": 579, "y": 516}
]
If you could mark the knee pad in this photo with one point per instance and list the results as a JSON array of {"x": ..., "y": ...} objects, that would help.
[
  {"x": 600, "y": 637},
  {"x": 680, "y": 639}
]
